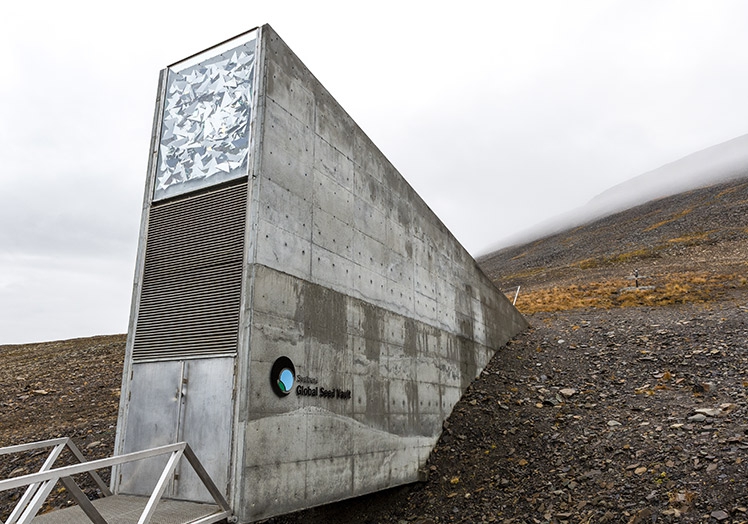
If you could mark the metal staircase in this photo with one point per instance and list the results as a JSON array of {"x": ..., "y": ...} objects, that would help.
[{"x": 110, "y": 509}]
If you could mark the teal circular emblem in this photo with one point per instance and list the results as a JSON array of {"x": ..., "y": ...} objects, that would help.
[
  {"x": 282, "y": 376},
  {"x": 286, "y": 380}
]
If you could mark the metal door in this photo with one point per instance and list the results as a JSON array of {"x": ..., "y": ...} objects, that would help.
[
  {"x": 185, "y": 339},
  {"x": 173, "y": 401}
]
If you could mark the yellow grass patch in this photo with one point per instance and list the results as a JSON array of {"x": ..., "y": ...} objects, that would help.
[
  {"x": 669, "y": 220},
  {"x": 690, "y": 239},
  {"x": 674, "y": 289},
  {"x": 621, "y": 258}
]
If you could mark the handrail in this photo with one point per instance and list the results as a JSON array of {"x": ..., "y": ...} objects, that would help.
[
  {"x": 33, "y": 490},
  {"x": 33, "y": 445},
  {"x": 47, "y": 478}
]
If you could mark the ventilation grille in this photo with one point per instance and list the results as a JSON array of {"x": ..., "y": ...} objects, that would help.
[{"x": 192, "y": 278}]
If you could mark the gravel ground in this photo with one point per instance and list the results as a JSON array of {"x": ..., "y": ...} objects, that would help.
[{"x": 57, "y": 389}]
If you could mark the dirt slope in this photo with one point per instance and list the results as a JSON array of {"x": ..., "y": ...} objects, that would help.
[
  {"x": 58, "y": 389},
  {"x": 689, "y": 229}
]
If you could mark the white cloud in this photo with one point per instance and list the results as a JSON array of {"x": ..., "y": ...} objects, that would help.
[{"x": 55, "y": 298}]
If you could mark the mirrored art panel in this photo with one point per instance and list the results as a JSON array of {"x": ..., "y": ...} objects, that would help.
[{"x": 206, "y": 118}]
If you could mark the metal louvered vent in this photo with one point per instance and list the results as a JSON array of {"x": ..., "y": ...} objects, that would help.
[{"x": 192, "y": 278}]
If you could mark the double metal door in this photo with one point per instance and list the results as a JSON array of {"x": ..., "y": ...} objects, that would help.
[{"x": 174, "y": 401}]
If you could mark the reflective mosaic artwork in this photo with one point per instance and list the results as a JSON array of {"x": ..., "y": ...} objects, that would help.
[{"x": 205, "y": 128}]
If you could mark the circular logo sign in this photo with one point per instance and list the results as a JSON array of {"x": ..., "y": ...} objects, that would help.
[{"x": 282, "y": 376}]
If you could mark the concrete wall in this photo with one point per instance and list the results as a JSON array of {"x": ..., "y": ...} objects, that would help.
[{"x": 354, "y": 278}]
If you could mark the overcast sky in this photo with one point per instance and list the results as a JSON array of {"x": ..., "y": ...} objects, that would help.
[{"x": 500, "y": 114}]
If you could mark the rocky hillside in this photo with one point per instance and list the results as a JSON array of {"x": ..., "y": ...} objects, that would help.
[
  {"x": 619, "y": 404},
  {"x": 692, "y": 243},
  {"x": 720, "y": 163},
  {"x": 57, "y": 389}
]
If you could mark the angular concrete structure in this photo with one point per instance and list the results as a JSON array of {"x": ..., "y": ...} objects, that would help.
[{"x": 300, "y": 316}]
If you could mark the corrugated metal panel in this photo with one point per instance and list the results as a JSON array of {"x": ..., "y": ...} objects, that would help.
[{"x": 192, "y": 280}]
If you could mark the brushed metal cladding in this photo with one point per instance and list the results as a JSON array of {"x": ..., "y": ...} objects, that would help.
[
  {"x": 192, "y": 280},
  {"x": 153, "y": 420},
  {"x": 175, "y": 401},
  {"x": 206, "y": 421}
]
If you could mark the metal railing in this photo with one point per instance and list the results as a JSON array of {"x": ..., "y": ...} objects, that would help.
[
  {"x": 36, "y": 490},
  {"x": 40, "y": 484}
]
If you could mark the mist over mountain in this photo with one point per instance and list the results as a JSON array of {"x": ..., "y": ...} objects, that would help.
[
  {"x": 725, "y": 161},
  {"x": 715, "y": 164}
]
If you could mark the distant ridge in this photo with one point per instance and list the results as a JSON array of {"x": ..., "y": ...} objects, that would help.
[
  {"x": 715, "y": 164},
  {"x": 703, "y": 230},
  {"x": 719, "y": 163}
]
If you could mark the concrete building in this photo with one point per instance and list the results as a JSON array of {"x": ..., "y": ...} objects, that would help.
[{"x": 300, "y": 316}]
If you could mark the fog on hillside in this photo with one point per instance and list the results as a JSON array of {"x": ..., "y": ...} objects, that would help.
[{"x": 709, "y": 166}]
